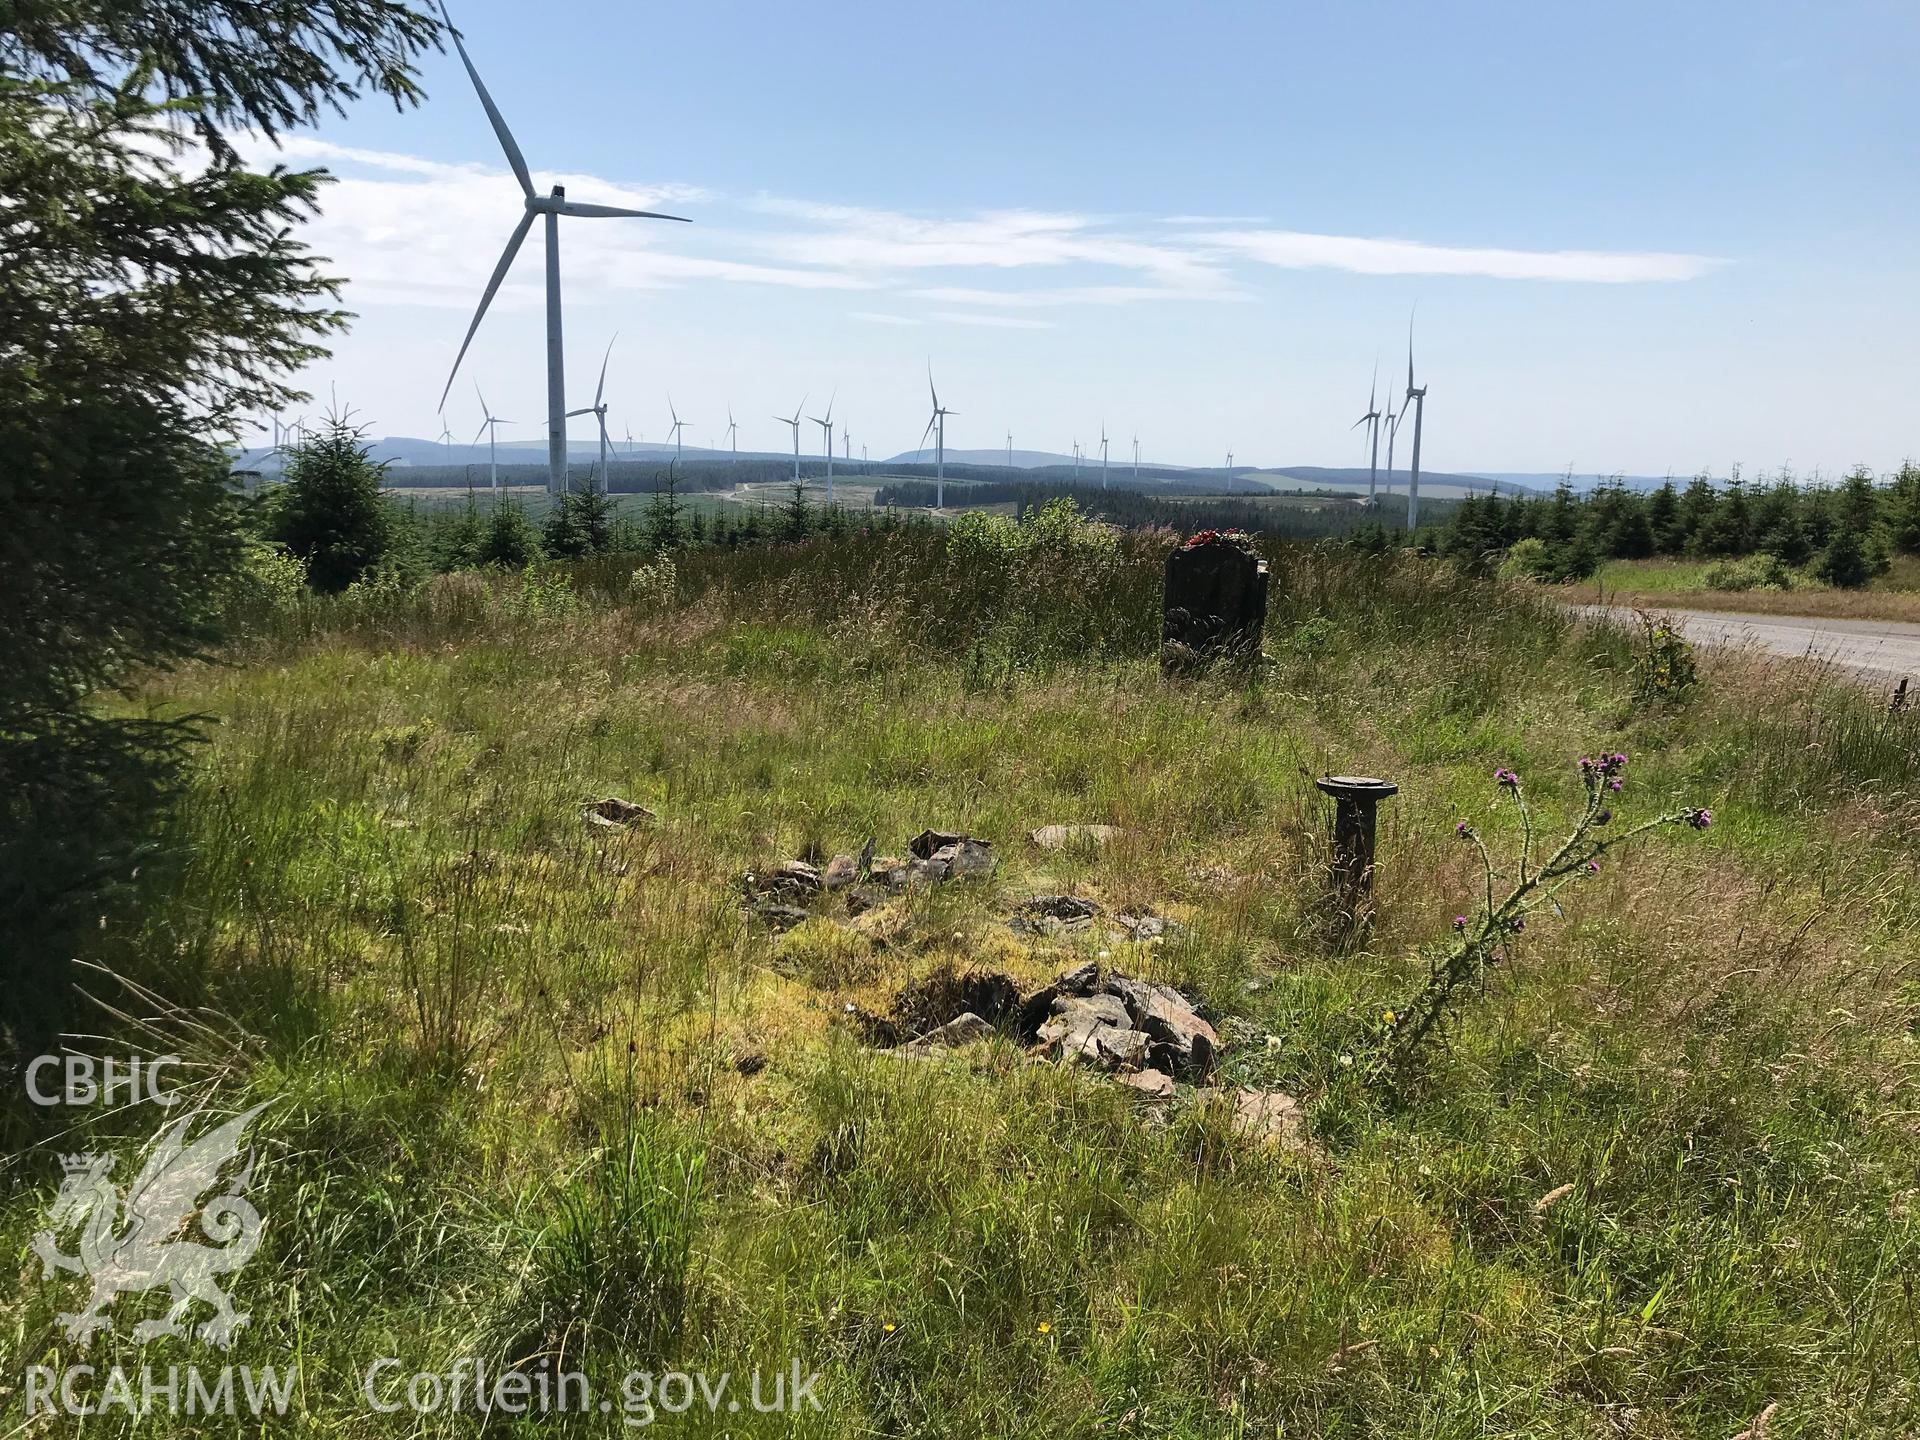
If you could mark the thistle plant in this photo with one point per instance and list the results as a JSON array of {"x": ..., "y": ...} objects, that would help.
[{"x": 1535, "y": 884}]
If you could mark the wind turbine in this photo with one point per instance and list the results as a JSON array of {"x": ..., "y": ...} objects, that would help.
[
  {"x": 675, "y": 429},
  {"x": 846, "y": 442},
  {"x": 446, "y": 449},
  {"x": 599, "y": 412},
  {"x": 1103, "y": 454},
  {"x": 795, "y": 423},
  {"x": 1009, "y": 449},
  {"x": 826, "y": 440},
  {"x": 1418, "y": 399},
  {"x": 1229, "y": 472},
  {"x": 1390, "y": 422},
  {"x": 1372, "y": 421},
  {"x": 1136, "y": 459},
  {"x": 937, "y": 427},
  {"x": 490, "y": 425},
  {"x": 1076, "y": 460},
  {"x": 549, "y": 207},
  {"x": 733, "y": 435}
]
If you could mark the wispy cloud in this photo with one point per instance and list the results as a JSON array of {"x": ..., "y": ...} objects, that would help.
[
  {"x": 874, "y": 317},
  {"x": 1067, "y": 295},
  {"x": 1297, "y": 250},
  {"x": 999, "y": 322}
]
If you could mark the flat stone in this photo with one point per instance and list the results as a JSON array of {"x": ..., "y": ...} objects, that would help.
[
  {"x": 1052, "y": 915},
  {"x": 1058, "y": 837},
  {"x": 1152, "y": 1084},
  {"x": 613, "y": 813},
  {"x": 781, "y": 917},
  {"x": 963, "y": 1029},
  {"x": 1271, "y": 1117},
  {"x": 841, "y": 872},
  {"x": 927, "y": 872}
]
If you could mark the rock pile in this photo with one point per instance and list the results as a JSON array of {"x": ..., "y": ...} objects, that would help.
[
  {"x": 1057, "y": 916},
  {"x": 782, "y": 895},
  {"x": 1122, "y": 1023}
]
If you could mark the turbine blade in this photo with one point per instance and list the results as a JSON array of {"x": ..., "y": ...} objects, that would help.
[
  {"x": 614, "y": 212},
  {"x": 924, "y": 434},
  {"x": 514, "y": 157},
  {"x": 486, "y": 299},
  {"x": 589, "y": 410},
  {"x": 601, "y": 389}
]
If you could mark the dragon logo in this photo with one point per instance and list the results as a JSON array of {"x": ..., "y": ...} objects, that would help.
[{"x": 141, "y": 1252}]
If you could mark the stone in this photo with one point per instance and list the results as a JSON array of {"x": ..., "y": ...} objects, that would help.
[
  {"x": 1152, "y": 1084},
  {"x": 863, "y": 898},
  {"x": 1271, "y": 1117},
  {"x": 1053, "y": 915},
  {"x": 1147, "y": 927},
  {"x": 1081, "y": 980},
  {"x": 751, "y": 1063},
  {"x": 793, "y": 875},
  {"x": 613, "y": 813},
  {"x": 927, "y": 872},
  {"x": 1214, "y": 606},
  {"x": 964, "y": 857},
  {"x": 890, "y": 871},
  {"x": 927, "y": 841},
  {"x": 1059, "y": 837},
  {"x": 1183, "y": 1043},
  {"x": 780, "y": 917},
  {"x": 1094, "y": 1028},
  {"x": 963, "y": 1029},
  {"x": 841, "y": 872}
]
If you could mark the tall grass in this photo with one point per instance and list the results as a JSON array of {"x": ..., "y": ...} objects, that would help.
[{"x": 547, "y": 1093}]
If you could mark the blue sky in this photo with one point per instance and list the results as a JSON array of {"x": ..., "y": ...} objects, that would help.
[{"x": 1642, "y": 238}]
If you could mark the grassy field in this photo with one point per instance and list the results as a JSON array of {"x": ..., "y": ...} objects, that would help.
[
  {"x": 544, "y": 1094},
  {"x": 1684, "y": 583}
]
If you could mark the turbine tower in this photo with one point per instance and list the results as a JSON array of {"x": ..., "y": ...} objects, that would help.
[
  {"x": 489, "y": 426},
  {"x": 599, "y": 412},
  {"x": 1372, "y": 421},
  {"x": 1418, "y": 399},
  {"x": 1136, "y": 459},
  {"x": 675, "y": 429},
  {"x": 446, "y": 449},
  {"x": 937, "y": 427},
  {"x": 795, "y": 423},
  {"x": 1390, "y": 422},
  {"x": 550, "y": 208},
  {"x": 733, "y": 433},
  {"x": 1009, "y": 449},
  {"x": 826, "y": 440},
  {"x": 1103, "y": 454}
]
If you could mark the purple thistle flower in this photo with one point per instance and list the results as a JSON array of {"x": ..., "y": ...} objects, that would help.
[
  {"x": 1459, "y": 922},
  {"x": 1603, "y": 816},
  {"x": 1593, "y": 867},
  {"x": 1463, "y": 830},
  {"x": 1700, "y": 819},
  {"x": 1615, "y": 784},
  {"x": 1517, "y": 924}
]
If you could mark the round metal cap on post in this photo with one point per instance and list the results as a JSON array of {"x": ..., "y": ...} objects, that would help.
[{"x": 1355, "y": 799}]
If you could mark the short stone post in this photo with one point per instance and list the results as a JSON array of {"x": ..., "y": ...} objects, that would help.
[
  {"x": 1215, "y": 604},
  {"x": 1355, "y": 798}
]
